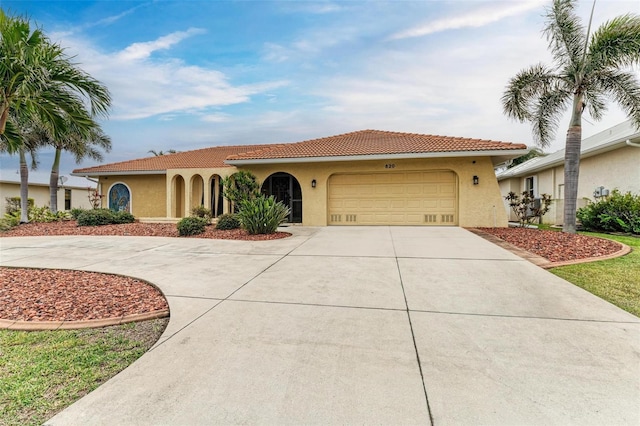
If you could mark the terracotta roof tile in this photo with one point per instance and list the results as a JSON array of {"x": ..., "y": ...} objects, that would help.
[
  {"x": 361, "y": 143},
  {"x": 375, "y": 142},
  {"x": 200, "y": 158}
]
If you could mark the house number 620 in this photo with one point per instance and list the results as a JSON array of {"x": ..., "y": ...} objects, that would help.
[{"x": 390, "y": 166}]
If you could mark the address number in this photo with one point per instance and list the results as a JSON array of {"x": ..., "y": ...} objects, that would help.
[{"x": 390, "y": 166}]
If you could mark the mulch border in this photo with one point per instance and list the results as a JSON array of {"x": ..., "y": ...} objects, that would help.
[{"x": 541, "y": 261}]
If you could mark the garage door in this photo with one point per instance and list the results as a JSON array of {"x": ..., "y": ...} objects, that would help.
[{"x": 394, "y": 198}]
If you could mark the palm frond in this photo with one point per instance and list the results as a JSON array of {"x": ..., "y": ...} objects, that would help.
[
  {"x": 565, "y": 33},
  {"x": 624, "y": 88},
  {"x": 546, "y": 117},
  {"x": 616, "y": 43},
  {"x": 523, "y": 91}
]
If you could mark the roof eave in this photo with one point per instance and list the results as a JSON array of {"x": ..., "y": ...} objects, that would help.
[{"x": 501, "y": 153}]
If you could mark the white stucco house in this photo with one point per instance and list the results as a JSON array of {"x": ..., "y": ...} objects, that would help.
[
  {"x": 69, "y": 196},
  {"x": 609, "y": 160}
]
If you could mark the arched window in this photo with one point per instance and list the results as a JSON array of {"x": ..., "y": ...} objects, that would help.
[{"x": 120, "y": 198}]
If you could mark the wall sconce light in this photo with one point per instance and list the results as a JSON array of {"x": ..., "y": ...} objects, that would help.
[
  {"x": 313, "y": 183},
  {"x": 476, "y": 180}
]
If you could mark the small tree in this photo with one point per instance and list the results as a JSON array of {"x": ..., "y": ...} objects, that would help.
[
  {"x": 527, "y": 208},
  {"x": 95, "y": 197},
  {"x": 239, "y": 187}
]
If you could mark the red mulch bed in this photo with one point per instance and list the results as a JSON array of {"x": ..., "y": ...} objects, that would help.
[
  {"x": 554, "y": 245},
  {"x": 64, "y": 295},
  {"x": 70, "y": 227}
]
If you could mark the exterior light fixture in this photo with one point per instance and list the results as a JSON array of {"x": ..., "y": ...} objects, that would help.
[
  {"x": 313, "y": 183},
  {"x": 476, "y": 180}
]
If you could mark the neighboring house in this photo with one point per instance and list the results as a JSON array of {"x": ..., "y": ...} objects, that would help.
[
  {"x": 609, "y": 160},
  {"x": 361, "y": 178},
  {"x": 68, "y": 196}
]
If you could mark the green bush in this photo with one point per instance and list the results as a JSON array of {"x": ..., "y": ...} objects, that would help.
[
  {"x": 616, "y": 213},
  {"x": 228, "y": 221},
  {"x": 202, "y": 212},
  {"x": 123, "y": 217},
  {"x": 13, "y": 204},
  {"x": 262, "y": 215},
  {"x": 44, "y": 215},
  {"x": 191, "y": 226},
  {"x": 75, "y": 212},
  {"x": 95, "y": 217},
  {"x": 9, "y": 221}
]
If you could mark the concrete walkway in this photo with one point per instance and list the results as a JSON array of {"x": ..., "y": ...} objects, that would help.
[{"x": 366, "y": 325}]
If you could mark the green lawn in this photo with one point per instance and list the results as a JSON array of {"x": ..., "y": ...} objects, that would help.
[
  {"x": 42, "y": 372},
  {"x": 616, "y": 280}
]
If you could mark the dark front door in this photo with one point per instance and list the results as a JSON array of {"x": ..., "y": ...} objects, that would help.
[{"x": 286, "y": 189}]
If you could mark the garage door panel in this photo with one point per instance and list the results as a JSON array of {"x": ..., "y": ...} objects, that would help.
[{"x": 396, "y": 198}]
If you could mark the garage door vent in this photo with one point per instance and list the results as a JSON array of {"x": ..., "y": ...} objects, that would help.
[
  {"x": 430, "y": 218},
  {"x": 336, "y": 218},
  {"x": 350, "y": 218},
  {"x": 447, "y": 218}
]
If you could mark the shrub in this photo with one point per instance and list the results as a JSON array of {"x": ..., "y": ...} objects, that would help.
[
  {"x": 44, "y": 215},
  {"x": 191, "y": 226},
  {"x": 202, "y": 212},
  {"x": 240, "y": 186},
  {"x": 525, "y": 206},
  {"x": 13, "y": 204},
  {"x": 262, "y": 215},
  {"x": 616, "y": 213},
  {"x": 228, "y": 221},
  {"x": 96, "y": 217},
  {"x": 9, "y": 221},
  {"x": 123, "y": 217},
  {"x": 75, "y": 212}
]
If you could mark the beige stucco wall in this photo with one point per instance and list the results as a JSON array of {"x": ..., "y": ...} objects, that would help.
[
  {"x": 148, "y": 193},
  {"x": 619, "y": 169},
  {"x": 478, "y": 205},
  {"x": 40, "y": 195}
]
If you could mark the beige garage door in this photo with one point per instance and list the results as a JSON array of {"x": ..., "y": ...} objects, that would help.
[{"x": 394, "y": 198}]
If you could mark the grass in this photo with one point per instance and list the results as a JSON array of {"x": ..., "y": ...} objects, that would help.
[
  {"x": 42, "y": 372},
  {"x": 616, "y": 281}
]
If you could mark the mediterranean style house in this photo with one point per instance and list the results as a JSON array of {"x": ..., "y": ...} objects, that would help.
[
  {"x": 609, "y": 160},
  {"x": 367, "y": 177}
]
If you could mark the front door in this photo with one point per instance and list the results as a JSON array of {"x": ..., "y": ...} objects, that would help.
[{"x": 286, "y": 189}]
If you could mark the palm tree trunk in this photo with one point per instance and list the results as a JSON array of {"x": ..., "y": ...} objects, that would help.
[
  {"x": 24, "y": 188},
  {"x": 4, "y": 117},
  {"x": 53, "y": 182},
  {"x": 572, "y": 165}
]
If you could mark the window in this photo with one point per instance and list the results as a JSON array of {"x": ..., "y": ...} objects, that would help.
[
  {"x": 67, "y": 199},
  {"x": 530, "y": 185},
  {"x": 120, "y": 198}
]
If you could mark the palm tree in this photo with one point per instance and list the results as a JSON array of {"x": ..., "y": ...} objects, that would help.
[
  {"x": 39, "y": 83},
  {"x": 82, "y": 143},
  {"x": 588, "y": 71},
  {"x": 159, "y": 153}
]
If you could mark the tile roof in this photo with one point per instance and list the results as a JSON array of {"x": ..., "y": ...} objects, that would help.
[
  {"x": 197, "y": 159},
  {"x": 375, "y": 142},
  {"x": 361, "y": 143}
]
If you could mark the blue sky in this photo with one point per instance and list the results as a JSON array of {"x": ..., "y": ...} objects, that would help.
[{"x": 190, "y": 74}]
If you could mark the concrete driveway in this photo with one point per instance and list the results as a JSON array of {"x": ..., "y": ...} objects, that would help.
[{"x": 366, "y": 325}]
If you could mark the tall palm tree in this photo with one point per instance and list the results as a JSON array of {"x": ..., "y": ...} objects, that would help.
[
  {"x": 589, "y": 69},
  {"x": 39, "y": 82}
]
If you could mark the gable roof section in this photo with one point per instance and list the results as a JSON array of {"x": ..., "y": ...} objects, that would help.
[
  {"x": 212, "y": 157},
  {"x": 607, "y": 140},
  {"x": 371, "y": 144}
]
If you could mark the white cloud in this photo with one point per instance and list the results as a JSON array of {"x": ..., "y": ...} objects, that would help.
[
  {"x": 474, "y": 19},
  {"x": 142, "y": 86},
  {"x": 144, "y": 50}
]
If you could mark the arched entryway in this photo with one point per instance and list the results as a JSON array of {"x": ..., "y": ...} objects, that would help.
[
  {"x": 217, "y": 200},
  {"x": 178, "y": 202},
  {"x": 286, "y": 189},
  {"x": 197, "y": 191}
]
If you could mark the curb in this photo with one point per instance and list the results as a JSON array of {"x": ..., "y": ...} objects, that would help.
[
  {"x": 75, "y": 325},
  {"x": 541, "y": 261}
]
